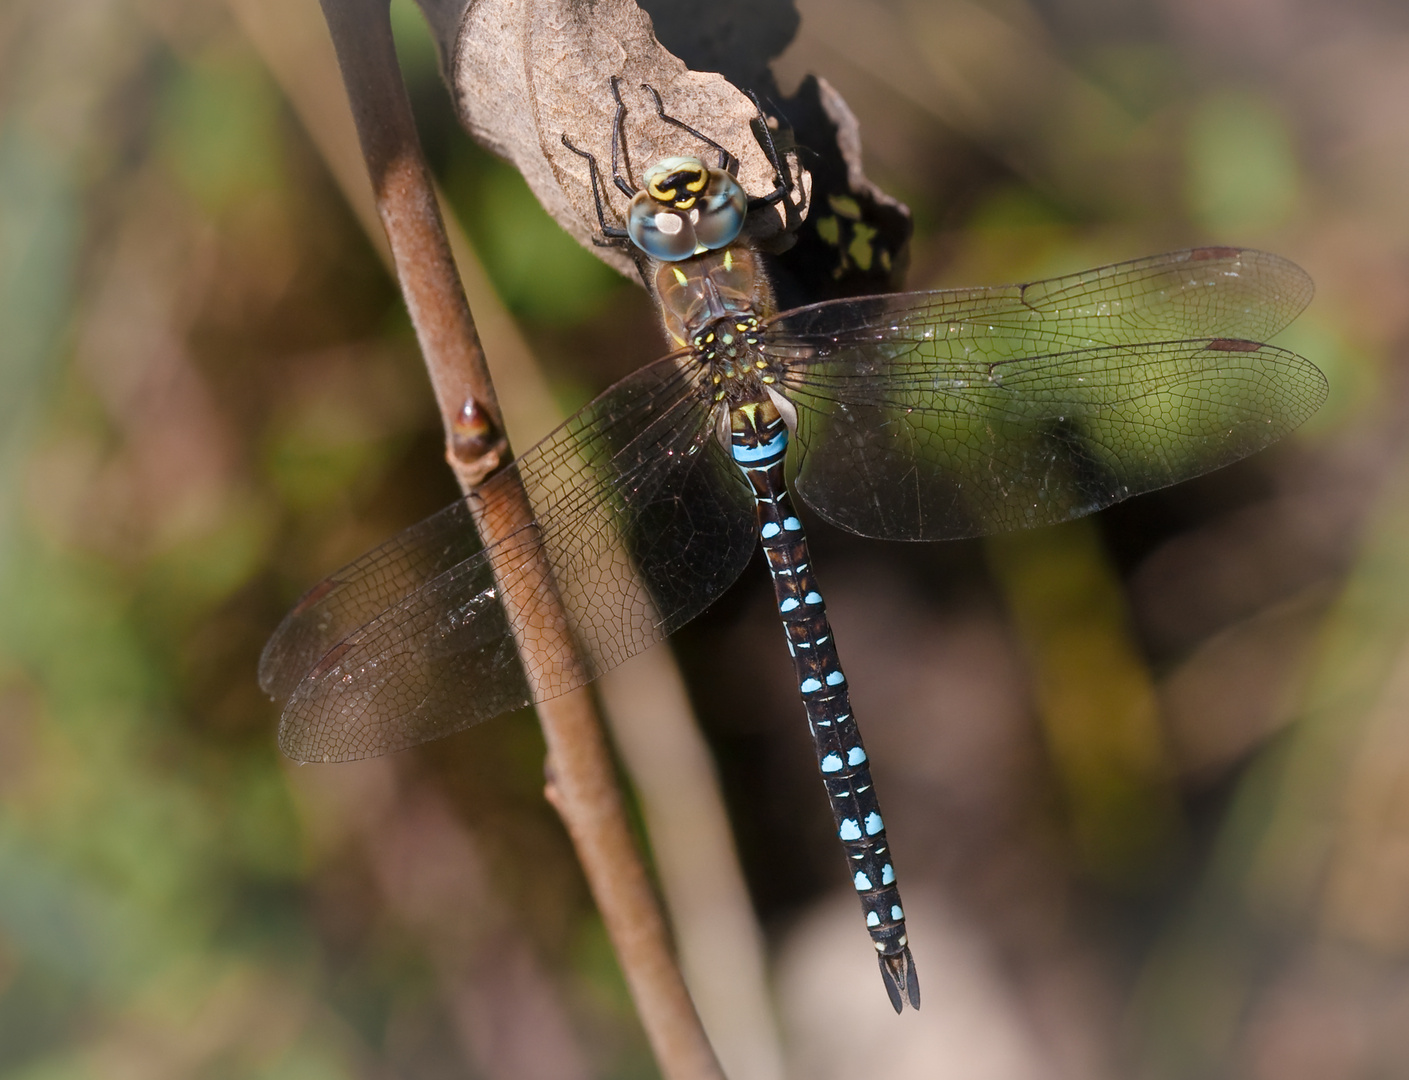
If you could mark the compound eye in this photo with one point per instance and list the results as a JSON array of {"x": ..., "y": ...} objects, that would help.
[
  {"x": 662, "y": 233},
  {"x": 723, "y": 208}
]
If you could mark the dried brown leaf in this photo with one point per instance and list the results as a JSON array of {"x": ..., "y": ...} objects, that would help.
[{"x": 524, "y": 73}]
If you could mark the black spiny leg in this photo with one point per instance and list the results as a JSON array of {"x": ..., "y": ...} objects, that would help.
[
  {"x": 612, "y": 235},
  {"x": 727, "y": 161},
  {"x": 782, "y": 177},
  {"x": 623, "y": 184}
]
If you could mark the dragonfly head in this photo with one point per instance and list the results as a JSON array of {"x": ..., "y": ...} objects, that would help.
[{"x": 685, "y": 209}]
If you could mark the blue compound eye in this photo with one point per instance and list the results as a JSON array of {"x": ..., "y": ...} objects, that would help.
[
  {"x": 723, "y": 208},
  {"x": 662, "y": 233}
]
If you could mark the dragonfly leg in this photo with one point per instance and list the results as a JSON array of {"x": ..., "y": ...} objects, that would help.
[
  {"x": 612, "y": 235},
  {"x": 623, "y": 183},
  {"x": 782, "y": 175},
  {"x": 727, "y": 162}
]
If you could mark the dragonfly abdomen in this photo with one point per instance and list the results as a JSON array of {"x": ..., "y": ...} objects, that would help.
[{"x": 759, "y": 440}]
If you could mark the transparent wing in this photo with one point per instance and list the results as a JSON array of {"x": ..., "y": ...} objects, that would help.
[
  {"x": 1197, "y": 293},
  {"x": 930, "y": 416},
  {"x": 641, "y": 519}
]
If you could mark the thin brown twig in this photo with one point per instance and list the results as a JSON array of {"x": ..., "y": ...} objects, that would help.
[
  {"x": 652, "y": 727},
  {"x": 581, "y": 781}
]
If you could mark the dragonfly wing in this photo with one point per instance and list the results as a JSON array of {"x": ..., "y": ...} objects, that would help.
[
  {"x": 362, "y": 590},
  {"x": 1216, "y": 292},
  {"x": 930, "y": 416},
  {"x": 640, "y": 522}
]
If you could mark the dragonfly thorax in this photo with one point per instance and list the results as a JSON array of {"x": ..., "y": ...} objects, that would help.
[
  {"x": 698, "y": 293},
  {"x": 738, "y": 370},
  {"x": 714, "y": 305}
]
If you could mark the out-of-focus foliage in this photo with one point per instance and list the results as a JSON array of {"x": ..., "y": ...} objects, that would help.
[
  {"x": 211, "y": 398},
  {"x": 1146, "y": 776}
]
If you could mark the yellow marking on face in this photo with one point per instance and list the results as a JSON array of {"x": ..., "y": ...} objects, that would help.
[
  {"x": 680, "y": 277},
  {"x": 691, "y": 180},
  {"x": 729, "y": 259}
]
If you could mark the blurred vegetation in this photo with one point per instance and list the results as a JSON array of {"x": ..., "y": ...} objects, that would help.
[{"x": 1152, "y": 768}]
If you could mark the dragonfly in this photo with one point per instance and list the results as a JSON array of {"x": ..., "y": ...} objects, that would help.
[{"x": 928, "y": 415}]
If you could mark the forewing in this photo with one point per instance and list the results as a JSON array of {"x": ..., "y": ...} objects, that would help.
[
  {"x": 928, "y": 416},
  {"x": 1198, "y": 293},
  {"x": 640, "y": 521}
]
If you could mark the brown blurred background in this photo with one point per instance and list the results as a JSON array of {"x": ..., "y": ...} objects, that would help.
[{"x": 1146, "y": 776}]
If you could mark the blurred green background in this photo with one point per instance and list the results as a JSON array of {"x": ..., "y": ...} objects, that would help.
[{"x": 1148, "y": 774}]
